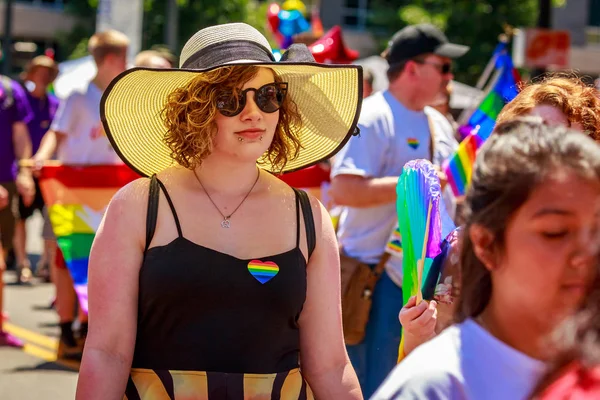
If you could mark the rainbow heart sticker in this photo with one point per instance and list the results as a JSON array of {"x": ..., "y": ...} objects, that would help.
[
  {"x": 412, "y": 142},
  {"x": 263, "y": 271}
]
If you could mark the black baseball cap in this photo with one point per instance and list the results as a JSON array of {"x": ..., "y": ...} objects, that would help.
[{"x": 415, "y": 40}]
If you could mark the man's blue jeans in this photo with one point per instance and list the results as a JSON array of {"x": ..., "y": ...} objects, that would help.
[{"x": 377, "y": 355}]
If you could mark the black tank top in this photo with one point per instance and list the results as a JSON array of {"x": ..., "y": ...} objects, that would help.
[{"x": 203, "y": 310}]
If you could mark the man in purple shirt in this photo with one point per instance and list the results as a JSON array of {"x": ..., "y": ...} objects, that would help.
[
  {"x": 15, "y": 144},
  {"x": 39, "y": 74}
]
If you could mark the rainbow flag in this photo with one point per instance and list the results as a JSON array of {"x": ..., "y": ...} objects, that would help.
[
  {"x": 459, "y": 166},
  {"x": 77, "y": 197}
]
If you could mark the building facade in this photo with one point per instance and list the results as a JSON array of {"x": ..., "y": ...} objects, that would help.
[
  {"x": 352, "y": 16},
  {"x": 582, "y": 19},
  {"x": 35, "y": 25}
]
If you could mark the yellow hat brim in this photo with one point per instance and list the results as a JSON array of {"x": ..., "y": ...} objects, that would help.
[{"x": 328, "y": 97}]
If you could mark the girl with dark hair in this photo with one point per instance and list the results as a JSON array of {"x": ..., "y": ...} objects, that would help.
[
  {"x": 527, "y": 262},
  {"x": 557, "y": 99}
]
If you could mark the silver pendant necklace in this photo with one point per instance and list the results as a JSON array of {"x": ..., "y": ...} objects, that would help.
[{"x": 226, "y": 223}]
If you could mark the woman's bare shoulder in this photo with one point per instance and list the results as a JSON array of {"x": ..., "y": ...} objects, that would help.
[
  {"x": 127, "y": 208},
  {"x": 132, "y": 194},
  {"x": 135, "y": 193}
]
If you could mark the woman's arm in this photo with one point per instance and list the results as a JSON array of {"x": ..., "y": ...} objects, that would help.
[
  {"x": 115, "y": 261},
  {"x": 323, "y": 356}
]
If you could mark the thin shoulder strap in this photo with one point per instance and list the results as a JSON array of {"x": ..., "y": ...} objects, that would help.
[
  {"x": 164, "y": 189},
  {"x": 153, "y": 196},
  {"x": 309, "y": 222},
  {"x": 297, "y": 219}
]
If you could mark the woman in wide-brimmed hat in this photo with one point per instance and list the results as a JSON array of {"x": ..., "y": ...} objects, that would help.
[{"x": 212, "y": 279}]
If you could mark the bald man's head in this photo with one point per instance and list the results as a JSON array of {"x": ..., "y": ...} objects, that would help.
[{"x": 151, "y": 59}]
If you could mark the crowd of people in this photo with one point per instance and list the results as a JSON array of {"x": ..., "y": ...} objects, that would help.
[
  {"x": 214, "y": 279},
  {"x": 37, "y": 128}
]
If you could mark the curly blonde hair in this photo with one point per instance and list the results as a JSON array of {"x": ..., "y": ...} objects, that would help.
[
  {"x": 190, "y": 111},
  {"x": 577, "y": 101}
]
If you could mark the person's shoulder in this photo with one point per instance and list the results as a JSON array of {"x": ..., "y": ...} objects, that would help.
[
  {"x": 19, "y": 93},
  {"x": 126, "y": 212},
  {"x": 436, "y": 116},
  {"x": 433, "y": 113},
  {"x": 132, "y": 194},
  {"x": 431, "y": 371},
  {"x": 280, "y": 188},
  {"x": 85, "y": 90},
  {"x": 76, "y": 95},
  {"x": 444, "y": 348},
  {"x": 432, "y": 384},
  {"x": 17, "y": 88},
  {"x": 374, "y": 108}
]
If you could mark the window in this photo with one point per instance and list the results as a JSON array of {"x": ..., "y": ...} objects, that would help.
[
  {"x": 355, "y": 13},
  {"x": 593, "y": 29}
]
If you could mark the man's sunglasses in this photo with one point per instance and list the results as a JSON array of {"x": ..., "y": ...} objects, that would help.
[
  {"x": 444, "y": 68},
  {"x": 268, "y": 98}
]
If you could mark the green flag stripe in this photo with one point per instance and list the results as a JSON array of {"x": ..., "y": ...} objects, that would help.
[
  {"x": 492, "y": 105},
  {"x": 76, "y": 246}
]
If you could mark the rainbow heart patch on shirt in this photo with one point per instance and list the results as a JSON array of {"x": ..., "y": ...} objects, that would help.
[
  {"x": 263, "y": 271},
  {"x": 413, "y": 143}
]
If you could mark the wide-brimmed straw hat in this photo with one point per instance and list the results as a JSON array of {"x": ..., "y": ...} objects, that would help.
[{"x": 328, "y": 97}]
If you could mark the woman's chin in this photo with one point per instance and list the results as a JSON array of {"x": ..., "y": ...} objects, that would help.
[{"x": 246, "y": 153}]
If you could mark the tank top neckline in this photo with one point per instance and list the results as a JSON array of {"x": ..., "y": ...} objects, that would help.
[
  {"x": 180, "y": 235},
  {"x": 200, "y": 246}
]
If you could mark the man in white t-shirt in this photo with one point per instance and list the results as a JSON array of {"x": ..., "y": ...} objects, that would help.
[
  {"x": 396, "y": 127},
  {"x": 76, "y": 134},
  {"x": 77, "y": 137}
]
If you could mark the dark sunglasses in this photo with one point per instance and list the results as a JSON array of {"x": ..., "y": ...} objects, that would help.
[
  {"x": 444, "y": 68},
  {"x": 268, "y": 98}
]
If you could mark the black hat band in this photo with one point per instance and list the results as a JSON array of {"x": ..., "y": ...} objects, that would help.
[{"x": 221, "y": 53}]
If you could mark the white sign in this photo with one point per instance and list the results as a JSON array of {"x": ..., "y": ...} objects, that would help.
[
  {"x": 124, "y": 16},
  {"x": 541, "y": 48}
]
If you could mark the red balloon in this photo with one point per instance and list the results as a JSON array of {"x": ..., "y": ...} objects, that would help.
[
  {"x": 273, "y": 17},
  {"x": 330, "y": 48}
]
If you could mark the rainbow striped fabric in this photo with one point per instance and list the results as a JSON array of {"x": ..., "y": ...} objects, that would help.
[
  {"x": 459, "y": 166},
  {"x": 77, "y": 198}
]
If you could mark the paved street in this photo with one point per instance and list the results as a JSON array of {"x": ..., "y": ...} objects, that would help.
[{"x": 33, "y": 373}]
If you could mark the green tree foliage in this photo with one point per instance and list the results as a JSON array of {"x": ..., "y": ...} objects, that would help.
[
  {"x": 193, "y": 15},
  {"x": 474, "y": 23},
  {"x": 73, "y": 44}
]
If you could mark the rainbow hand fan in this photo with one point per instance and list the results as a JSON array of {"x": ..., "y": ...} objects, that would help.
[{"x": 420, "y": 221}]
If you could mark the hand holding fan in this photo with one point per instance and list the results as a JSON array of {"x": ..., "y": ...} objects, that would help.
[{"x": 420, "y": 224}]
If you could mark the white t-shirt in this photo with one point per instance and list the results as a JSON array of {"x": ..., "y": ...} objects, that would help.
[
  {"x": 390, "y": 136},
  {"x": 464, "y": 362},
  {"x": 78, "y": 117}
]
